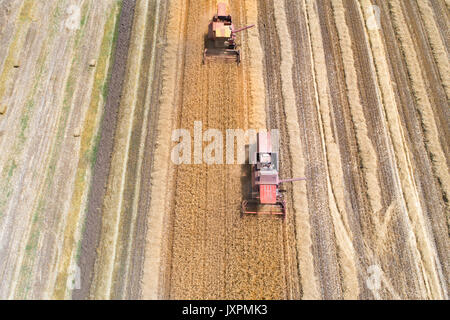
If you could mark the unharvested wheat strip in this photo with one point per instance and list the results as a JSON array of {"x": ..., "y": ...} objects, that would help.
[
  {"x": 438, "y": 48},
  {"x": 331, "y": 150},
  {"x": 365, "y": 146},
  {"x": 423, "y": 104},
  {"x": 257, "y": 115},
  {"x": 427, "y": 250},
  {"x": 113, "y": 201},
  {"x": 402, "y": 153},
  {"x": 159, "y": 190},
  {"x": 309, "y": 281}
]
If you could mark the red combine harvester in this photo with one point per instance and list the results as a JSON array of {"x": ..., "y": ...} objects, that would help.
[
  {"x": 221, "y": 40},
  {"x": 265, "y": 196}
]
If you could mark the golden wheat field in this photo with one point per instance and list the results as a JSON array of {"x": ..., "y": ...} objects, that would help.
[{"x": 93, "y": 207}]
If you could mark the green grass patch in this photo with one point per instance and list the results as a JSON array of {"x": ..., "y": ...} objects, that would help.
[{"x": 11, "y": 169}]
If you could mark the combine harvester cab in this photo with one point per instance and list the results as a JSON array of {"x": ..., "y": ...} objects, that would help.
[
  {"x": 265, "y": 196},
  {"x": 220, "y": 42}
]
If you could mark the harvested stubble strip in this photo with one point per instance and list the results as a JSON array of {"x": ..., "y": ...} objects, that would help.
[
  {"x": 437, "y": 45},
  {"x": 159, "y": 190},
  {"x": 384, "y": 217},
  {"x": 401, "y": 153},
  {"x": 365, "y": 146},
  {"x": 423, "y": 104},
  {"x": 27, "y": 9},
  {"x": 329, "y": 144},
  {"x": 112, "y": 206},
  {"x": 334, "y": 166},
  {"x": 432, "y": 143},
  {"x": 257, "y": 115},
  {"x": 144, "y": 132},
  {"x": 308, "y": 277}
]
